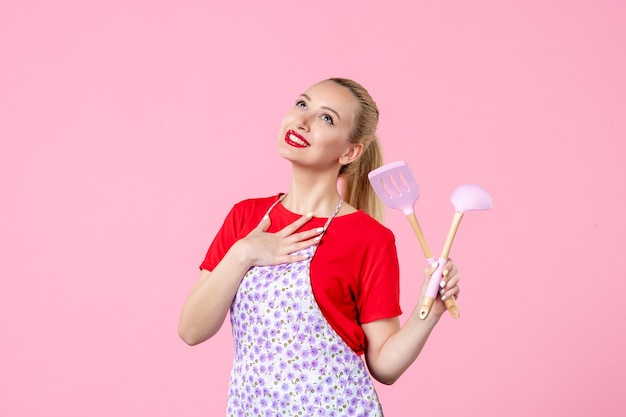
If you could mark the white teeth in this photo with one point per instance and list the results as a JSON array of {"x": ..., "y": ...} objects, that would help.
[{"x": 297, "y": 140}]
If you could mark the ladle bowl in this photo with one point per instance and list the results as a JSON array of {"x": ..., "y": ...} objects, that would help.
[{"x": 468, "y": 197}]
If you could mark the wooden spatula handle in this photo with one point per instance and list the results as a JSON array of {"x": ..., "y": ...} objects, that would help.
[{"x": 428, "y": 254}]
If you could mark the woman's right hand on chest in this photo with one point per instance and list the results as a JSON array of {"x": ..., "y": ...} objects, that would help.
[{"x": 262, "y": 248}]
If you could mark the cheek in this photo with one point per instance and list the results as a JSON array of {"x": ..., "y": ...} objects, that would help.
[{"x": 343, "y": 138}]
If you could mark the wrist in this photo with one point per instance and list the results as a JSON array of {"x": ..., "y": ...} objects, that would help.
[
  {"x": 430, "y": 321},
  {"x": 241, "y": 254}
]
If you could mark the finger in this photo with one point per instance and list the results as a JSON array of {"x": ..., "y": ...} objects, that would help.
[
  {"x": 451, "y": 288},
  {"x": 314, "y": 233},
  {"x": 295, "y": 247},
  {"x": 452, "y": 292},
  {"x": 295, "y": 225},
  {"x": 264, "y": 224},
  {"x": 292, "y": 258},
  {"x": 453, "y": 280},
  {"x": 306, "y": 243},
  {"x": 449, "y": 271}
]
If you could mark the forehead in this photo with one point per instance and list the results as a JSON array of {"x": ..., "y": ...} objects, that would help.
[{"x": 330, "y": 94}]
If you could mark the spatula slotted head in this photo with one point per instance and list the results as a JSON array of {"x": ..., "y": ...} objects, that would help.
[{"x": 396, "y": 186}]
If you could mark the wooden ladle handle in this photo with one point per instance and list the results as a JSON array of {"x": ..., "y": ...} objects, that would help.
[{"x": 435, "y": 280}]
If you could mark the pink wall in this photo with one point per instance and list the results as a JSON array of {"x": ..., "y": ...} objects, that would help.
[{"x": 129, "y": 128}]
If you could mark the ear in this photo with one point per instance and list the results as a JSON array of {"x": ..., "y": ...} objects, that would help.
[{"x": 353, "y": 153}]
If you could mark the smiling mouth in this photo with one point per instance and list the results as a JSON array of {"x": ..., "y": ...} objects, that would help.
[{"x": 293, "y": 139}]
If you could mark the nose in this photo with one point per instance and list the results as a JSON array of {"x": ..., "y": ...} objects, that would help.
[{"x": 303, "y": 122}]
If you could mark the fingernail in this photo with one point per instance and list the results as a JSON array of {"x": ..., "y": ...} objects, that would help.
[
  {"x": 309, "y": 214},
  {"x": 435, "y": 265},
  {"x": 442, "y": 284},
  {"x": 265, "y": 217},
  {"x": 305, "y": 256},
  {"x": 441, "y": 291},
  {"x": 443, "y": 298},
  {"x": 319, "y": 229},
  {"x": 445, "y": 272}
]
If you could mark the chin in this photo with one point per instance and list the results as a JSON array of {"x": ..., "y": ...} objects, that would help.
[{"x": 284, "y": 153}]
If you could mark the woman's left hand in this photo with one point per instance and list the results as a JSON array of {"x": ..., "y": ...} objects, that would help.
[{"x": 449, "y": 286}]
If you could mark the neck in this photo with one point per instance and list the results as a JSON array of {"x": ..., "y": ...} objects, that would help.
[{"x": 312, "y": 193}]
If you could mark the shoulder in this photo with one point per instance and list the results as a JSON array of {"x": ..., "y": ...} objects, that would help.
[
  {"x": 363, "y": 223},
  {"x": 364, "y": 231},
  {"x": 254, "y": 204}
]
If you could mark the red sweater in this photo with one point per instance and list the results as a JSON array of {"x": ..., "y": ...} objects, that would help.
[{"x": 354, "y": 272}]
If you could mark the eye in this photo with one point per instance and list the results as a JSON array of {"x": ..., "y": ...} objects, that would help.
[
  {"x": 301, "y": 104},
  {"x": 328, "y": 119}
]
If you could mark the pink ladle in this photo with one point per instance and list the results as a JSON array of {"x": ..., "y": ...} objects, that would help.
[{"x": 466, "y": 197}]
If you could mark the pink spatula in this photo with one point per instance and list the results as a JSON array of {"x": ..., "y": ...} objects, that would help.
[{"x": 396, "y": 186}]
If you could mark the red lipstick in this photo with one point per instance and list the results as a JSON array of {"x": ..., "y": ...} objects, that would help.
[{"x": 296, "y": 140}]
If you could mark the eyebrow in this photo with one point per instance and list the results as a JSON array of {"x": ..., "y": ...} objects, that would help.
[{"x": 324, "y": 107}]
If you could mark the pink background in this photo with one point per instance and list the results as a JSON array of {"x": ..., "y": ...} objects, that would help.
[{"x": 129, "y": 128}]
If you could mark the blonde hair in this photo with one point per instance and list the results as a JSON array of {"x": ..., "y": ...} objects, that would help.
[{"x": 356, "y": 189}]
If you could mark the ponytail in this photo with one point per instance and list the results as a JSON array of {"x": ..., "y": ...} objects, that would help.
[{"x": 355, "y": 188}]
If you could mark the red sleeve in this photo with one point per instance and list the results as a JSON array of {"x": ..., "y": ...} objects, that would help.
[
  {"x": 380, "y": 285},
  {"x": 225, "y": 238}
]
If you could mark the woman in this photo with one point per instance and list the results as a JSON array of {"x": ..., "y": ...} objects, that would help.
[{"x": 311, "y": 281}]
